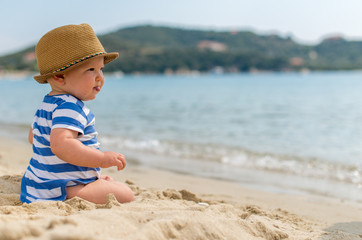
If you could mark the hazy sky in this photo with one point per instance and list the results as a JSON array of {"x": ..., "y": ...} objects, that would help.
[{"x": 307, "y": 21}]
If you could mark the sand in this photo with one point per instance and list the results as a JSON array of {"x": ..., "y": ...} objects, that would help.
[{"x": 170, "y": 206}]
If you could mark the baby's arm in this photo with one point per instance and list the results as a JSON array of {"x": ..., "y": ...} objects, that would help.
[
  {"x": 30, "y": 136},
  {"x": 65, "y": 145}
]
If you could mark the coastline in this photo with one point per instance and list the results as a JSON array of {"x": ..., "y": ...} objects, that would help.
[
  {"x": 23, "y": 74},
  {"x": 171, "y": 205}
]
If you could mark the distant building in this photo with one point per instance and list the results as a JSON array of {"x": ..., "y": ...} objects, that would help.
[
  {"x": 29, "y": 57},
  {"x": 212, "y": 45},
  {"x": 296, "y": 61},
  {"x": 334, "y": 38}
]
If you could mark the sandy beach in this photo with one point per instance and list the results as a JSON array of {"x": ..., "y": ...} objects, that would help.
[{"x": 170, "y": 206}]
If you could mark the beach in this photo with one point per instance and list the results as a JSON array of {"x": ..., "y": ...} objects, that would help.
[{"x": 170, "y": 206}]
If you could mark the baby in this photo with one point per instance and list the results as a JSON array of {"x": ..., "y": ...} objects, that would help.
[{"x": 66, "y": 158}]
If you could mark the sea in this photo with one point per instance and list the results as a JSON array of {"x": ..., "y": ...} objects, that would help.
[{"x": 294, "y": 133}]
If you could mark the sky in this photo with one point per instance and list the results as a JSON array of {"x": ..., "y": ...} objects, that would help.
[{"x": 24, "y": 22}]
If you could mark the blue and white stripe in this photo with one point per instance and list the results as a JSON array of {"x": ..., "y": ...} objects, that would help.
[{"x": 47, "y": 176}]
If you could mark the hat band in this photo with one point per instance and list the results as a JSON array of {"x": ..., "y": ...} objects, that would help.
[{"x": 78, "y": 61}]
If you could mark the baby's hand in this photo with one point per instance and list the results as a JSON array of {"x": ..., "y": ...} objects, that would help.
[
  {"x": 107, "y": 178},
  {"x": 111, "y": 159}
]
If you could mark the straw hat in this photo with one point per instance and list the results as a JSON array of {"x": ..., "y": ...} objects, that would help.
[{"x": 66, "y": 47}]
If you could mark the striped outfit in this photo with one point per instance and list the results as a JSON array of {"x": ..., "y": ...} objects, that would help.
[{"x": 47, "y": 176}]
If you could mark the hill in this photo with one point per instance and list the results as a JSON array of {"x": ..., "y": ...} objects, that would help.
[{"x": 158, "y": 49}]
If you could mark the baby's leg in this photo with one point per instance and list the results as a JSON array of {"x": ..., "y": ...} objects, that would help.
[{"x": 98, "y": 190}]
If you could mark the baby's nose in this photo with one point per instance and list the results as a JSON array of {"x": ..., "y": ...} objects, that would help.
[{"x": 100, "y": 76}]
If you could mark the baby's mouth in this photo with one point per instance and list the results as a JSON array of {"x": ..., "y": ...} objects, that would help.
[{"x": 97, "y": 89}]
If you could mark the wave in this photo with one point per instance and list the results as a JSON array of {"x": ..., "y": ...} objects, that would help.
[{"x": 237, "y": 157}]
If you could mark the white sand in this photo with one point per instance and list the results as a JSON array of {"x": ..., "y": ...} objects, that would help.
[{"x": 170, "y": 206}]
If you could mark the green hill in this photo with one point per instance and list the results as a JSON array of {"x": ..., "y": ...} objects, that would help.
[{"x": 156, "y": 49}]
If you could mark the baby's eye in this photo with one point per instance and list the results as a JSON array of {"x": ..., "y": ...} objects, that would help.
[{"x": 91, "y": 69}]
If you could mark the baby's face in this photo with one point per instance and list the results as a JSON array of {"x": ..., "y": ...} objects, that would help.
[{"x": 85, "y": 81}]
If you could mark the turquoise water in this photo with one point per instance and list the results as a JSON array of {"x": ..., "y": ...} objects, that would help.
[{"x": 284, "y": 132}]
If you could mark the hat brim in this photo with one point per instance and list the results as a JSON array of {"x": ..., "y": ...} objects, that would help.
[{"x": 43, "y": 78}]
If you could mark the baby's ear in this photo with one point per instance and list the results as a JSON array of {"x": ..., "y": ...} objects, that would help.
[{"x": 59, "y": 78}]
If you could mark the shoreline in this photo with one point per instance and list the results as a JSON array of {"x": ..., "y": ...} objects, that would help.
[
  {"x": 253, "y": 178},
  {"x": 168, "y": 194}
]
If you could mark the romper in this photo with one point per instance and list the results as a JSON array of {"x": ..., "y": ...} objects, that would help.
[{"x": 47, "y": 176}]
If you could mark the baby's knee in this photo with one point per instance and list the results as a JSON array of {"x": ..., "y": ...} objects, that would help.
[
  {"x": 122, "y": 192},
  {"x": 125, "y": 195}
]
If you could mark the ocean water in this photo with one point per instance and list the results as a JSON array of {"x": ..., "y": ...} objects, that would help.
[{"x": 282, "y": 132}]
